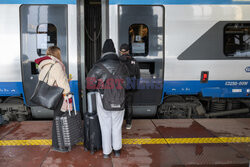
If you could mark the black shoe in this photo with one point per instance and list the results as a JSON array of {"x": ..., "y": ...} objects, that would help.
[
  {"x": 62, "y": 150},
  {"x": 117, "y": 153},
  {"x": 105, "y": 156}
]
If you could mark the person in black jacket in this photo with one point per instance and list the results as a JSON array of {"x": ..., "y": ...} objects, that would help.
[
  {"x": 134, "y": 74},
  {"x": 110, "y": 121}
]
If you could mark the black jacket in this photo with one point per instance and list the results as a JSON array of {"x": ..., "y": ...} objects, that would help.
[
  {"x": 111, "y": 61},
  {"x": 133, "y": 70},
  {"x": 132, "y": 66}
]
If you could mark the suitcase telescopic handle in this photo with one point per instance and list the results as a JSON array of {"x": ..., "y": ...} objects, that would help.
[{"x": 73, "y": 98}]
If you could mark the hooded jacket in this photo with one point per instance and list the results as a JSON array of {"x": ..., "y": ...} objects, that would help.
[
  {"x": 56, "y": 76},
  {"x": 111, "y": 61}
]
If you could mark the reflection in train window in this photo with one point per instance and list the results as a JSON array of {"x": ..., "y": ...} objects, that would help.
[
  {"x": 138, "y": 39},
  {"x": 46, "y": 37},
  {"x": 237, "y": 40}
]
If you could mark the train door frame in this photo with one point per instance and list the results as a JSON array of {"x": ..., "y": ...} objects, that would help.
[
  {"x": 26, "y": 63},
  {"x": 150, "y": 108},
  {"x": 81, "y": 63}
]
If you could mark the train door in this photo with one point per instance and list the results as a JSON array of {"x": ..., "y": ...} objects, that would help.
[
  {"x": 142, "y": 27},
  {"x": 41, "y": 26}
]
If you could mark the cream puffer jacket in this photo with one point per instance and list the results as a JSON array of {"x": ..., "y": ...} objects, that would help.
[{"x": 56, "y": 74}]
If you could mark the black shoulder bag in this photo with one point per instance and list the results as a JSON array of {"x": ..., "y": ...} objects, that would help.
[{"x": 45, "y": 95}]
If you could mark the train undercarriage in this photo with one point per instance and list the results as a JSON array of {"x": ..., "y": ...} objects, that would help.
[
  {"x": 173, "y": 107},
  {"x": 199, "y": 107},
  {"x": 13, "y": 109}
]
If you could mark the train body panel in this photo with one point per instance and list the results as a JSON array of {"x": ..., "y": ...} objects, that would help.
[
  {"x": 227, "y": 75},
  {"x": 178, "y": 2},
  {"x": 38, "y": 2},
  {"x": 14, "y": 50},
  {"x": 185, "y": 48},
  {"x": 10, "y": 80},
  {"x": 205, "y": 57},
  {"x": 10, "y": 43},
  {"x": 187, "y": 23}
]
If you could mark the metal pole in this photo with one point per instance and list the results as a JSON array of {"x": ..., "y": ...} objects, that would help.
[
  {"x": 95, "y": 41},
  {"x": 81, "y": 52},
  {"x": 105, "y": 20}
]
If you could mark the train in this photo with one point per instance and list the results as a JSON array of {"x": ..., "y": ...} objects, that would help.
[{"x": 194, "y": 55}]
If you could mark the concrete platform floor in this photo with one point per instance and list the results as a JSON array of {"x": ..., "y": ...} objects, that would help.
[{"x": 150, "y": 143}]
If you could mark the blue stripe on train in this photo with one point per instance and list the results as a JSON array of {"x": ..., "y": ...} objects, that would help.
[
  {"x": 11, "y": 89},
  {"x": 226, "y": 89},
  {"x": 74, "y": 89},
  {"x": 216, "y": 88},
  {"x": 16, "y": 89},
  {"x": 177, "y": 2},
  {"x": 37, "y": 1}
]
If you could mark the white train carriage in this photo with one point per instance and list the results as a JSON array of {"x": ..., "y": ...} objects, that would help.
[
  {"x": 27, "y": 29},
  {"x": 199, "y": 49},
  {"x": 194, "y": 55}
]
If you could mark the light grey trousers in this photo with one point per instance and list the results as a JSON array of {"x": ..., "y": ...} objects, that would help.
[{"x": 111, "y": 127}]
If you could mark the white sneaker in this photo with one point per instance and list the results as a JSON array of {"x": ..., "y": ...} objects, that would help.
[{"x": 128, "y": 126}]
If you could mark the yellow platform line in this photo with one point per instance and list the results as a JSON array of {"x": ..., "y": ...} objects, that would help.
[
  {"x": 144, "y": 141},
  {"x": 25, "y": 142},
  {"x": 205, "y": 140}
]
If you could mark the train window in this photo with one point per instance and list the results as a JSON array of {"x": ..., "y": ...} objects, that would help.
[
  {"x": 138, "y": 39},
  {"x": 46, "y": 37},
  {"x": 237, "y": 40}
]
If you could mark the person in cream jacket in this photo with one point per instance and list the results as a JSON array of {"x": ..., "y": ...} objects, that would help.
[{"x": 52, "y": 64}]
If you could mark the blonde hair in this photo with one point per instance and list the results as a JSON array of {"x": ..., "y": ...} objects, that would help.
[{"x": 54, "y": 51}]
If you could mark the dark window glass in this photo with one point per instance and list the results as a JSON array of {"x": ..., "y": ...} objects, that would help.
[
  {"x": 237, "y": 40},
  {"x": 138, "y": 39},
  {"x": 46, "y": 37}
]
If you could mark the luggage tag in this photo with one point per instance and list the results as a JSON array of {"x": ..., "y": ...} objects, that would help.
[{"x": 73, "y": 101}]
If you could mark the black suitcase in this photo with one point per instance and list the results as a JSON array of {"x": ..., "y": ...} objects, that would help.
[
  {"x": 69, "y": 128},
  {"x": 92, "y": 131}
]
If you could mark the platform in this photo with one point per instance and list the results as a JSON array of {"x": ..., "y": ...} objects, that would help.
[{"x": 150, "y": 143}]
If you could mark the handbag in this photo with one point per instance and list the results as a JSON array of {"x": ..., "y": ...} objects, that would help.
[{"x": 45, "y": 95}]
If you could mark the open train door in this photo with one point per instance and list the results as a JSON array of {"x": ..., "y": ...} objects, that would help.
[
  {"x": 41, "y": 26},
  {"x": 142, "y": 27}
]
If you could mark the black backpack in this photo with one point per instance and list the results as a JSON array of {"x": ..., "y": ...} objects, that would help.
[{"x": 114, "y": 93}]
